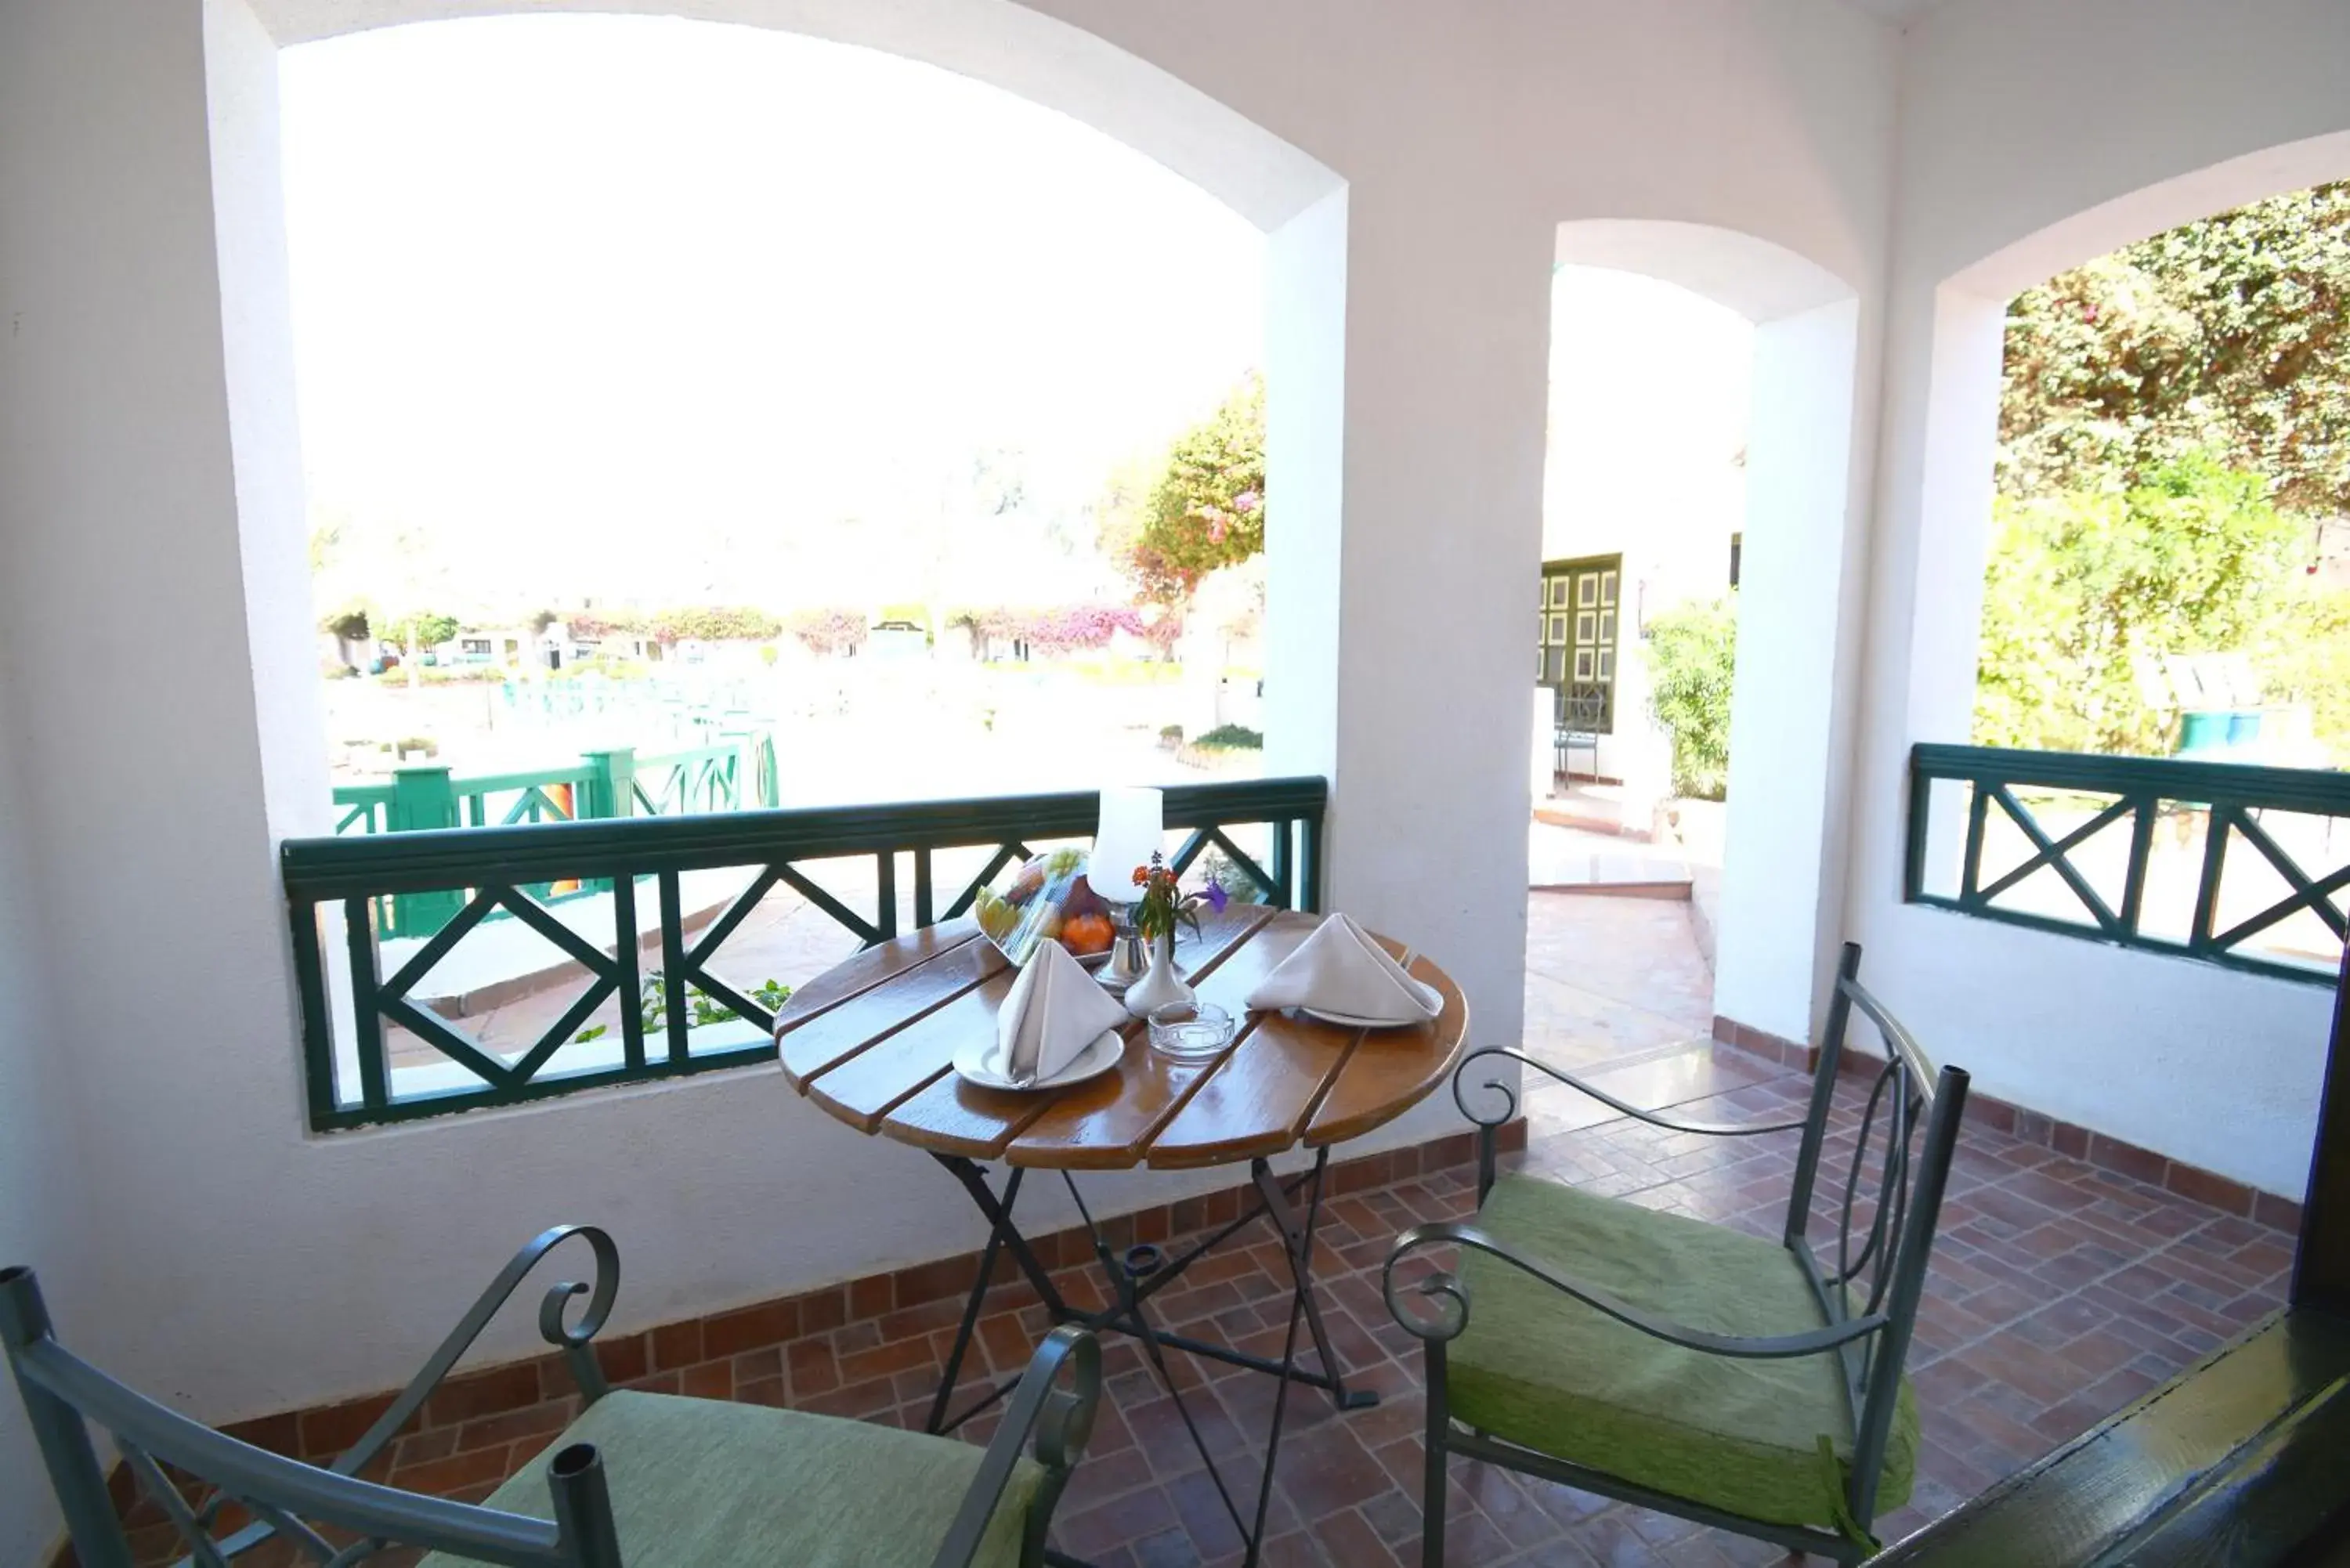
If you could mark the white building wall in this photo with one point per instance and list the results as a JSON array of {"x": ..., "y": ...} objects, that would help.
[
  {"x": 44, "y": 1222},
  {"x": 303, "y": 1267},
  {"x": 2034, "y": 137}
]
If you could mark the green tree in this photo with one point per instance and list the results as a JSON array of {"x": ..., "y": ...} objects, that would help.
[
  {"x": 714, "y": 623},
  {"x": 2229, "y": 335},
  {"x": 2085, "y": 587},
  {"x": 349, "y": 623},
  {"x": 415, "y": 632},
  {"x": 1692, "y": 650},
  {"x": 395, "y": 572},
  {"x": 1207, "y": 508},
  {"x": 2303, "y": 655}
]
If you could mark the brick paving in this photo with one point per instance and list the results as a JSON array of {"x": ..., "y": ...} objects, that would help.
[{"x": 2060, "y": 1291}]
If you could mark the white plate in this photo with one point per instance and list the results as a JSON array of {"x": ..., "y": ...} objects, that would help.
[
  {"x": 1348, "y": 1020},
  {"x": 981, "y": 1062}
]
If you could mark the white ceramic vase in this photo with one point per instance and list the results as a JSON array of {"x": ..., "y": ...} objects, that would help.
[{"x": 1160, "y": 984}]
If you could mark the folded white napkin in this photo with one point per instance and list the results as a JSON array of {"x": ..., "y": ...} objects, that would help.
[
  {"x": 1055, "y": 1010},
  {"x": 1339, "y": 968}
]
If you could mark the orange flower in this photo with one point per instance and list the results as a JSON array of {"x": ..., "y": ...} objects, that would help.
[{"x": 1142, "y": 876}]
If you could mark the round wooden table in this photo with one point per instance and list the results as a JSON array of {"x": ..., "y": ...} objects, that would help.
[{"x": 873, "y": 1042}]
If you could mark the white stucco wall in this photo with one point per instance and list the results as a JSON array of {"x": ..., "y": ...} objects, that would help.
[
  {"x": 1433, "y": 151},
  {"x": 43, "y": 1222},
  {"x": 303, "y": 1267},
  {"x": 2033, "y": 138}
]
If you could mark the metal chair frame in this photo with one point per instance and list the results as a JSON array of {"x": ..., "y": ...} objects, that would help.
[
  {"x": 1577, "y": 724},
  {"x": 1871, "y": 1342},
  {"x": 64, "y": 1394}
]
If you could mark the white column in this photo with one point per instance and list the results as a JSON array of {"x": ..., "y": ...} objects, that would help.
[
  {"x": 1305, "y": 452},
  {"x": 1781, "y": 904},
  {"x": 266, "y": 442},
  {"x": 1398, "y": 662},
  {"x": 1447, "y": 346}
]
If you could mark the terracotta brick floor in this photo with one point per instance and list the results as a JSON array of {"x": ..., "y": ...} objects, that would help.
[{"x": 2059, "y": 1293}]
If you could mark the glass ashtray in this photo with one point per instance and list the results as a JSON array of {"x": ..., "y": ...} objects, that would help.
[{"x": 1191, "y": 1031}]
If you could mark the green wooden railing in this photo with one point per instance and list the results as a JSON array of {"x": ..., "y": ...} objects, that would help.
[
  {"x": 2109, "y": 817},
  {"x": 346, "y": 882},
  {"x": 601, "y": 786}
]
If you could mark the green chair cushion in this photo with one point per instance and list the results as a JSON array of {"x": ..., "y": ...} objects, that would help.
[
  {"x": 1537, "y": 1368},
  {"x": 696, "y": 1483}
]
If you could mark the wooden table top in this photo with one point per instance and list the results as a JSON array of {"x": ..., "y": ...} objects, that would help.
[{"x": 872, "y": 1040}]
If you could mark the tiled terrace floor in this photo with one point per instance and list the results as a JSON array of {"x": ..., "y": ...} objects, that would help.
[{"x": 2060, "y": 1292}]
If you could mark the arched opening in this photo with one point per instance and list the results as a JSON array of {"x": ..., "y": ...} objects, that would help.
[
  {"x": 1296, "y": 203},
  {"x": 1968, "y": 364},
  {"x": 677, "y": 381},
  {"x": 2063, "y": 990},
  {"x": 1698, "y": 493}
]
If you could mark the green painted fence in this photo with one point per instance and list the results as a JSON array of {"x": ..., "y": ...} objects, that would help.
[
  {"x": 601, "y": 786},
  {"x": 2237, "y": 809},
  {"x": 335, "y": 889}
]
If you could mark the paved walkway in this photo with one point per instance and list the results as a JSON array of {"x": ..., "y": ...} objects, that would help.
[
  {"x": 1573, "y": 858},
  {"x": 1611, "y": 979}
]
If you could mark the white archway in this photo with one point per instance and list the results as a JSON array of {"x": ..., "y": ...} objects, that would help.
[
  {"x": 2137, "y": 1046},
  {"x": 1303, "y": 206},
  {"x": 1012, "y": 46},
  {"x": 1298, "y": 202},
  {"x": 1783, "y": 874},
  {"x": 1962, "y": 398}
]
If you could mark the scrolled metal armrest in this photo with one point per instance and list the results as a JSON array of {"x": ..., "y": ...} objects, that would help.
[
  {"x": 570, "y": 1338},
  {"x": 1452, "y": 1319},
  {"x": 1060, "y": 1422},
  {"x": 1510, "y": 1099}
]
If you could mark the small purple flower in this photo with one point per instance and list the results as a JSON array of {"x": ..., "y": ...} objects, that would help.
[{"x": 1216, "y": 896}]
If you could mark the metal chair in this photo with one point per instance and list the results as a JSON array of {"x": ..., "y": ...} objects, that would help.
[
  {"x": 1697, "y": 1370},
  {"x": 1577, "y": 724},
  {"x": 687, "y": 1480}
]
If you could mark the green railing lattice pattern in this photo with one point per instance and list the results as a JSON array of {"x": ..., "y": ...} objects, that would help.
[
  {"x": 601, "y": 786},
  {"x": 2237, "y": 865},
  {"x": 354, "y": 882}
]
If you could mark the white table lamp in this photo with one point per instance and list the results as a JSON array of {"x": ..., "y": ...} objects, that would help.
[{"x": 1133, "y": 822}]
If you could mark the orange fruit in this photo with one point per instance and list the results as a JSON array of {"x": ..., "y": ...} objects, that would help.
[{"x": 1087, "y": 934}]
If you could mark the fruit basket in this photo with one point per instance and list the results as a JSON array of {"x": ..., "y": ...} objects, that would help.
[{"x": 1047, "y": 900}]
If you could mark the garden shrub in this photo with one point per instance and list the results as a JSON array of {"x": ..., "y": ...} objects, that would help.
[
  {"x": 1692, "y": 651},
  {"x": 2086, "y": 585}
]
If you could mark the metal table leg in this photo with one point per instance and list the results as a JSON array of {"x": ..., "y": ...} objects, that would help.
[
  {"x": 1129, "y": 1291},
  {"x": 1001, "y": 1234},
  {"x": 1299, "y": 1237}
]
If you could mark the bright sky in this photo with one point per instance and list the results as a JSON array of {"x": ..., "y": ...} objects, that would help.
[
  {"x": 1650, "y": 392},
  {"x": 626, "y": 306}
]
